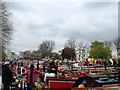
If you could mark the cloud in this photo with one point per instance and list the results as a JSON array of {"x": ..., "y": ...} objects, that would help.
[
  {"x": 35, "y": 22},
  {"x": 61, "y": 1}
]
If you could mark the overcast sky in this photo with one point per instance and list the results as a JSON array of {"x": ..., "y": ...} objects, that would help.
[{"x": 35, "y": 22}]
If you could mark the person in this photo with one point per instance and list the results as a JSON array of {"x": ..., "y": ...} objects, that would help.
[
  {"x": 105, "y": 65},
  {"x": 7, "y": 76},
  {"x": 31, "y": 75},
  {"x": 37, "y": 65},
  {"x": 21, "y": 64},
  {"x": 52, "y": 68},
  {"x": 44, "y": 67}
]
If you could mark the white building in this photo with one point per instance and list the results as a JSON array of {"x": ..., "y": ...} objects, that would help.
[{"x": 82, "y": 54}]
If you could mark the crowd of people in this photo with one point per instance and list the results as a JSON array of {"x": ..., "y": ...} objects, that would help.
[
  {"x": 33, "y": 70},
  {"x": 36, "y": 71}
]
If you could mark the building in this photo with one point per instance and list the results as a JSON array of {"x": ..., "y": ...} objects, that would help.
[
  {"x": 27, "y": 54},
  {"x": 11, "y": 55},
  {"x": 82, "y": 54},
  {"x": 21, "y": 54}
]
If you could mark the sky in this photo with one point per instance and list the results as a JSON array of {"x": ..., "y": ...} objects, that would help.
[{"x": 34, "y": 22}]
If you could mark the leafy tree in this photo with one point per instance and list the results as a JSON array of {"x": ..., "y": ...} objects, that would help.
[{"x": 98, "y": 50}]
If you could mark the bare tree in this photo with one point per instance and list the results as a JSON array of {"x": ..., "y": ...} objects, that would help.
[
  {"x": 107, "y": 44},
  {"x": 68, "y": 53},
  {"x": 71, "y": 43},
  {"x": 5, "y": 26},
  {"x": 117, "y": 44},
  {"x": 81, "y": 46},
  {"x": 69, "y": 49},
  {"x": 46, "y": 48}
]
